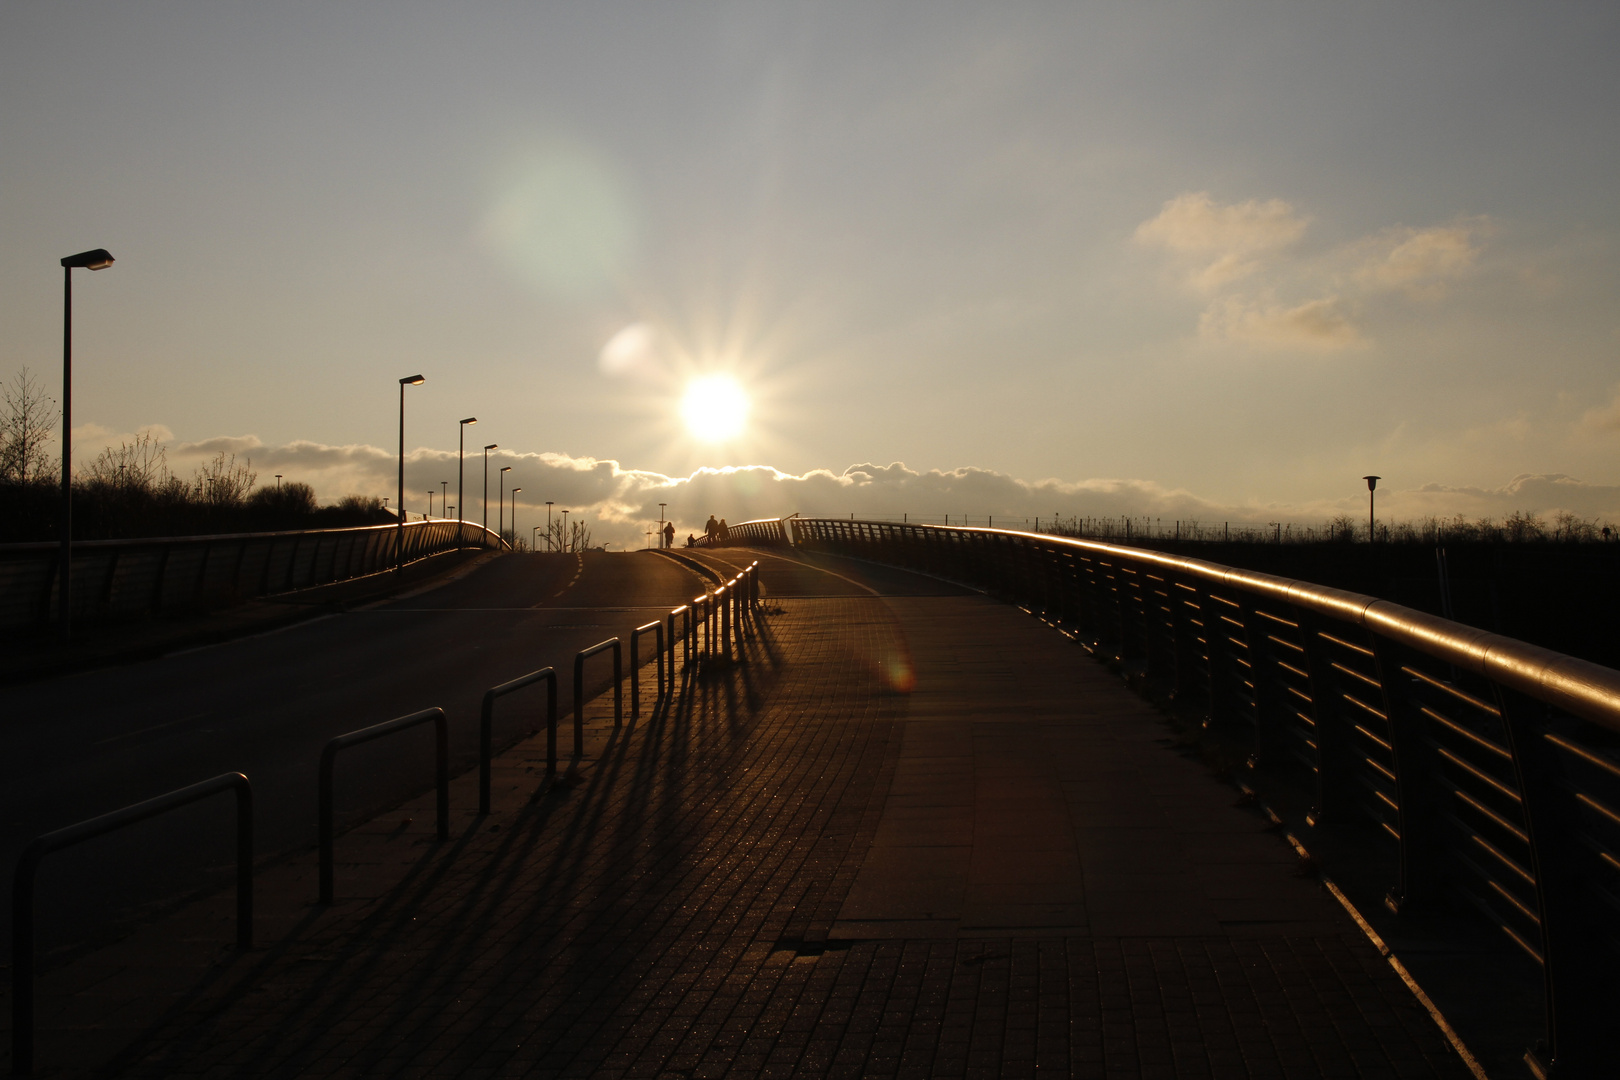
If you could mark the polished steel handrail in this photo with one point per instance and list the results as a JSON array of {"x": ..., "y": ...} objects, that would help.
[{"x": 1491, "y": 766}]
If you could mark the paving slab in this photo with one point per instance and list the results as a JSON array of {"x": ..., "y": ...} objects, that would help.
[{"x": 850, "y": 854}]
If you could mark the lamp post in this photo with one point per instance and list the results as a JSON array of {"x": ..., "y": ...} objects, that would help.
[
  {"x": 548, "y": 524},
  {"x": 429, "y": 514},
  {"x": 461, "y": 501},
  {"x": 1372, "y": 522},
  {"x": 278, "y": 479},
  {"x": 514, "y": 515},
  {"x": 97, "y": 259},
  {"x": 487, "y": 449},
  {"x": 500, "y": 509},
  {"x": 565, "y": 536},
  {"x": 399, "y": 544},
  {"x": 444, "y": 498},
  {"x": 534, "y": 538},
  {"x": 661, "y": 524}
]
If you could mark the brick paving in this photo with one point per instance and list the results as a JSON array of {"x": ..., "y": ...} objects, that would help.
[{"x": 916, "y": 836}]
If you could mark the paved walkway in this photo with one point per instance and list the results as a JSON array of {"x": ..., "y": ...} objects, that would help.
[{"x": 910, "y": 836}]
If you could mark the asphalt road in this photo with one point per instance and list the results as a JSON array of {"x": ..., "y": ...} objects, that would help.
[{"x": 81, "y": 745}]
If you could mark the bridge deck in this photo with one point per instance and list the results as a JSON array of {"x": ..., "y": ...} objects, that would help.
[{"x": 914, "y": 835}]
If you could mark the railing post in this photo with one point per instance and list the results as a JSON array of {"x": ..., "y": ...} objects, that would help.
[
  {"x": 22, "y": 890},
  {"x": 1420, "y": 841},
  {"x": 1578, "y": 979},
  {"x": 325, "y": 814},
  {"x": 486, "y": 718},
  {"x": 657, "y": 629}
]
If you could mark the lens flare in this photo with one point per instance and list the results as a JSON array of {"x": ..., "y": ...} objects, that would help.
[{"x": 714, "y": 408}]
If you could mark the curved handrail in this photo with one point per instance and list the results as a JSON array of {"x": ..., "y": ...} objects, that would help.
[{"x": 1492, "y": 764}]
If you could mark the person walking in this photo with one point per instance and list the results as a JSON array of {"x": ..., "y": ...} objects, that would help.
[
  {"x": 724, "y": 532},
  {"x": 669, "y": 534},
  {"x": 711, "y": 530}
]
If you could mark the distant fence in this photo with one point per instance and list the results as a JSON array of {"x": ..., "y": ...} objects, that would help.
[
  {"x": 122, "y": 579},
  {"x": 1489, "y": 767}
]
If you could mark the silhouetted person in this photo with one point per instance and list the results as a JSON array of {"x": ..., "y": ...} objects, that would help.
[
  {"x": 691, "y": 541},
  {"x": 669, "y": 535},
  {"x": 711, "y": 530},
  {"x": 723, "y": 533}
]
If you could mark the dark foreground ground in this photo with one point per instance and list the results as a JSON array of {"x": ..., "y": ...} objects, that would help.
[{"x": 908, "y": 834}]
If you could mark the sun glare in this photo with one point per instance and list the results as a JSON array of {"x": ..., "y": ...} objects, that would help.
[{"x": 714, "y": 408}]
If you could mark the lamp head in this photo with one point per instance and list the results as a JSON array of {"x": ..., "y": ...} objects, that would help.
[
  {"x": 492, "y": 446},
  {"x": 470, "y": 420},
  {"x": 412, "y": 380},
  {"x": 99, "y": 259},
  {"x": 516, "y": 490},
  {"x": 506, "y": 468},
  {"x": 1372, "y": 482}
]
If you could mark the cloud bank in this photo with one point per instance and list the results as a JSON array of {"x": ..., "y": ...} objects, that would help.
[{"x": 621, "y": 503}]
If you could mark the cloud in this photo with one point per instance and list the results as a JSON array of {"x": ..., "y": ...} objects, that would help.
[
  {"x": 1223, "y": 243},
  {"x": 620, "y": 504},
  {"x": 1240, "y": 254},
  {"x": 1418, "y": 262},
  {"x": 1315, "y": 324},
  {"x": 1544, "y": 494},
  {"x": 1602, "y": 420}
]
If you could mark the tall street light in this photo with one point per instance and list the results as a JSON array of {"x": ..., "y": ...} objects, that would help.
[
  {"x": 98, "y": 259},
  {"x": 461, "y": 502},
  {"x": 500, "y": 504},
  {"x": 548, "y": 524},
  {"x": 565, "y": 536},
  {"x": 487, "y": 449},
  {"x": 1372, "y": 526},
  {"x": 514, "y": 516},
  {"x": 444, "y": 498},
  {"x": 399, "y": 544}
]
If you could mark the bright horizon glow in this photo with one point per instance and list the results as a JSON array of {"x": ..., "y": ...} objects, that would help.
[{"x": 714, "y": 408}]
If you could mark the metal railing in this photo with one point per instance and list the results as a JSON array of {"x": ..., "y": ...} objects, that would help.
[
  {"x": 486, "y": 725},
  {"x": 579, "y": 688},
  {"x": 655, "y": 628},
  {"x": 441, "y": 776},
  {"x": 743, "y": 591},
  {"x": 1490, "y": 767},
  {"x": 22, "y": 889},
  {"x": 121, "y": 579}
]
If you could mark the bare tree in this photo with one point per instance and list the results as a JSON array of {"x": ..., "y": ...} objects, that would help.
[
  {"x": 139, "y": 466},
  {"x": 223, "y": 481},
  {"x": 25, "y": 427}
]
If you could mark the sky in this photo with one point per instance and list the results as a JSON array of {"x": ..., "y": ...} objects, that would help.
[{"x": 1169, "y": 260}]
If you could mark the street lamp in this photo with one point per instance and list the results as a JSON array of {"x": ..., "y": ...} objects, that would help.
[
  {"x": 534, "y": 538},
  {"x": 97, "y": 259},
  {"x": 661, "y": 524},
  {"x": 399, "y": 544},
  {"x": 514, "y": 516},
  {"x": 500, "y": 509},
  {"x": 429, "y": 514},
  {"x": 565, "y": 537},
  {"x": 548, "y": 524},
  {"x": 461, "y": 429},
  {"x": 444, "y": 498},
  {"x": 487, "y": 449},
  {"x": 278, "y": 479},
  {"x": 1372, "y": 527}
]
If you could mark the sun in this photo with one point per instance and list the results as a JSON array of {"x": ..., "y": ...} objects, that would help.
[{"x": 714, "y": 408}]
